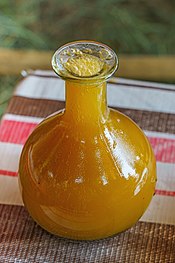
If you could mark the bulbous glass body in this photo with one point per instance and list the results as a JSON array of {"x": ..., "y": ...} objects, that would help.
[{"x": 87, "y": 172}]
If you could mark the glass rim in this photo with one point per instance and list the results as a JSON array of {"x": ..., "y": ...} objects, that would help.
[{"x": 83, "y": 44}]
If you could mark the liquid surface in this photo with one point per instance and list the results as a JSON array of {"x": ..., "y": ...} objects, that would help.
[{"x": 84, "y": 65}]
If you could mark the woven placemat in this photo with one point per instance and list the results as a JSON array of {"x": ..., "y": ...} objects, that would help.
[
  {"x": 151, "y": 240},
  {"x": 22, "y": 240}
]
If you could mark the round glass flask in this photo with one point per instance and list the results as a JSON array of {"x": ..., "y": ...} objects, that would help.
[{"x": 86, "y": 172}]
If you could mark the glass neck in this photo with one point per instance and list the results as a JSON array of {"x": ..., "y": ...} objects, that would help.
[{"x": 86, "y": 102}]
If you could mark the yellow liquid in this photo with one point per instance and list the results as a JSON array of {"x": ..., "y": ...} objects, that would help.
[{"x": 87, "y": 172}]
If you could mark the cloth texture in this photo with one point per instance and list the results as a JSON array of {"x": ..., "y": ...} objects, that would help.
[{"x": 152, "y": 239}]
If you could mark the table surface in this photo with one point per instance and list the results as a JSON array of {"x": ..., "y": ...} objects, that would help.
[{"x": 152, "y": 239}]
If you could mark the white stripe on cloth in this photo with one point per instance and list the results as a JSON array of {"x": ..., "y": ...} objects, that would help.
[
  {"x": 21, "y": 118},
  {"x": 10, "y": 154},
  {"x": 159, "y": 135},
  {"x": 144, "y": 83},
  {"x": 160, "y": 210},
  {"x": 9, "y": 191},
  {"x": 141, "y": 98},
  {"x": 118, "y": 95},
  {"x": 165, "y": 176}
]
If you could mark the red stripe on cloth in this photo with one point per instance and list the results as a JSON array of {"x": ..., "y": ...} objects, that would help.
[
  {"x": 164, "y": 149},
  {"x": 17, "y": 132},
  {"x": 9, "y": 173},
  {"x": 164, "y": 192}
]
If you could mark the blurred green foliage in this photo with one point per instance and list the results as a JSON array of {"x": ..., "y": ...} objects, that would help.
[
  {"x": 6, "y": 87},
  {"x": 135, "y": 26}
]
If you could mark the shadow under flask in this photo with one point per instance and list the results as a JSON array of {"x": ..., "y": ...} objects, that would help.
[{"x": 86, "y": 172}]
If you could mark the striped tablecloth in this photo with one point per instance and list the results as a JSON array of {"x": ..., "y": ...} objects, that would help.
[{"x": 152, "y": 239}]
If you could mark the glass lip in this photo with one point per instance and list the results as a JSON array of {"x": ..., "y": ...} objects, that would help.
[{"x": 95, "y": 78}]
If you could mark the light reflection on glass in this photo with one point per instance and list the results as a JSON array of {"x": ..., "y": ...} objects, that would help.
[{"x": 122, "y": 154}]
